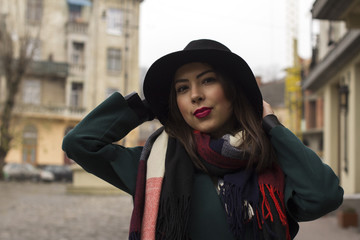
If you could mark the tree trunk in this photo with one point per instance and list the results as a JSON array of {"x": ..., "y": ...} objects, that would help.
[
  {"x": 2, "y": 162},
  {"x": 6, "y": 116},
  {"x": 14, "y": 68}
]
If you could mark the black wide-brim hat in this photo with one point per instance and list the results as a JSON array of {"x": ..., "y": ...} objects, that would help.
[{"x": 159, "y": 77}]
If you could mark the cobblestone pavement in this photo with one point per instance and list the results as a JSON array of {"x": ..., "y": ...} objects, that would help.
[
  {"x": 326, "y": 228},
  {"x": 40, "y": 211}
]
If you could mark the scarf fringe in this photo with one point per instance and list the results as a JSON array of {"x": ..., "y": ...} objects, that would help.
[
  {"x": 230, "y": 194},
  {"x": 272, "y": 192},
  {"x": 173, "y": 222},
  {"x": 248, "y": 212},
  {"x": 277, "y": 198}
]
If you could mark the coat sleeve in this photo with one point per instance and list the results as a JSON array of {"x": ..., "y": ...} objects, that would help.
[
  {"x": 92, "y": 143},
  {"x": 311, "y": 189}
]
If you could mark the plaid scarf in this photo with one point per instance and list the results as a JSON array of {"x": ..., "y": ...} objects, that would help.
[{"x": 164, "y": 185}]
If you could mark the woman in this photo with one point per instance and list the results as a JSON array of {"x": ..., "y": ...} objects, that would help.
[{"x": 222, "y": 167}]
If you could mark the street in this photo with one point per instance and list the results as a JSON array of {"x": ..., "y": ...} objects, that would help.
[
  {"x": 40, "y": 211},
  {"x": 44, "y": 211}
]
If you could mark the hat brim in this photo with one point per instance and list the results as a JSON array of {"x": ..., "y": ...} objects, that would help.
[{"x": 159, "y": 77}]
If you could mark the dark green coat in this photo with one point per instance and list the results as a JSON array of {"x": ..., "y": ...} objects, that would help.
[{"x": 311, "y": 189}]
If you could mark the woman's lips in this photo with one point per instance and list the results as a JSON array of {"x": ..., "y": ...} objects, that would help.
[{"x": 202, "y": 112}]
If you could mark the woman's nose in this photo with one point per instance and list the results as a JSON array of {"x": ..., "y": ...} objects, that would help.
[{"x": 196, "y": 96}]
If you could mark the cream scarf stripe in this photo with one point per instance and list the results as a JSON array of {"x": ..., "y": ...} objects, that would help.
[{"x": 154, "y": 176}]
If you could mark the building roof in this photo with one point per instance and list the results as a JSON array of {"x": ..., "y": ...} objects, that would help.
[{"x": 274, "y": 93}]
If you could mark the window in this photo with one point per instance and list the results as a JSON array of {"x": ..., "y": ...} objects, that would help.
[
  {"x": 76, "y": 95},
  {"x": 114, "y": 59},
  {"x": 77, "y": 56},
  {"x": 29, "y": 144},
  {"x": 2, "y": 93},
  {"x": 34, "y": 47},
  {"x": 114, "y": 21},
  {"x": 312, "y": 114},
  {"x": 32, "y": 91},
  {"x": 34, "y": 11},
  {"x": 74, "y": 12}
]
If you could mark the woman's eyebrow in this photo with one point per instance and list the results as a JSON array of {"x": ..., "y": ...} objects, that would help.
[
  {"x": 203, "y": 73},
  {"x": 197, "y": 76},
  {"x": 180, "y": 81}
]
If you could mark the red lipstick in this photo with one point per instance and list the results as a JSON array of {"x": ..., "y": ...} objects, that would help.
[{"x": 202, "y": 112}]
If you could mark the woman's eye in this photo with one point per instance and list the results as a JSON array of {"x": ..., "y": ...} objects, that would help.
[
  {"x": 209, "y": 80},
  {"x": 181, "y": 89}
]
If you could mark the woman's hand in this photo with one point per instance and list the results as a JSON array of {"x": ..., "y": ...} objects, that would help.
[{"x": 267, "y": 110}]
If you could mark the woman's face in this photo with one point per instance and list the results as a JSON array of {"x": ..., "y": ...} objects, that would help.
[{"x": 201, "y": 100}]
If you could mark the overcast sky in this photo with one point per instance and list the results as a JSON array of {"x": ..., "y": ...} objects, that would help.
[{"x": 256, "y": 30}]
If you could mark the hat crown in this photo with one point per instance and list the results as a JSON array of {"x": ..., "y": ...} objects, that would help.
[{"x": 205, "y": 44}]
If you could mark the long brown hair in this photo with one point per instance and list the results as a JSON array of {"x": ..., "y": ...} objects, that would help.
[{"x": 254, "y": 139}]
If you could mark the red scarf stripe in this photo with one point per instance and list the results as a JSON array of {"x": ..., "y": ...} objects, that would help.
[
  {"x": 214, "y": 158},
  {"x": 277, "y": 205},
  {"x": 265, "y": 204},
  {"x": 259, "y": 221}
]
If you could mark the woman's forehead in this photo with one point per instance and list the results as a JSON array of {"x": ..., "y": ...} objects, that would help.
[{"x": 192, "y": 68}]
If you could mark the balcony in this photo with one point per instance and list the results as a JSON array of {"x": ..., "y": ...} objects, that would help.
[
  {"x": 77, "y": 27},
  {"x": 77, "y": 69},
  {"x": 47, "y": 68},
  {"x": 42, "y": 111},
  {"x": 347, "y": 48},
  {"x": 338, "y": 10}
]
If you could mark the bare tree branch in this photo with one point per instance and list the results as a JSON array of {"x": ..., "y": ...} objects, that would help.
[{"x": 16, "y": 56}]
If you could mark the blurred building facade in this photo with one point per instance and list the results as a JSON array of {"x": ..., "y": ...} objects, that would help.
[
  {"x": 334, "y": 82},
  {"x": 313, "y": 114},
  {"x": 86, "y": 50},
  {"x": 273, "y": 92}
]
